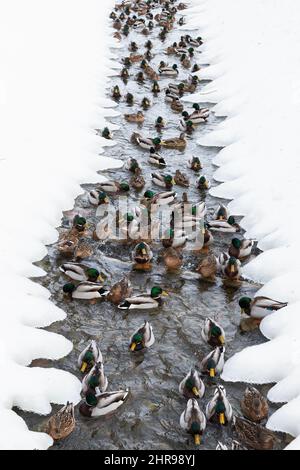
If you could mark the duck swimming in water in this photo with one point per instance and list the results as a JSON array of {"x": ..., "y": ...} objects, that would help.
[
  {"x": 85, "y": 291},
  {"x": 226, "y": 226},
  {"x": 142, "y": 338},
  {"x": 218, "y": 409},
  {"x": 103, "y": 404},
  {"x": 194, "y": 164},
  {"x": 89, "y": 357},
  {"x": 138, "y": 117},
  {"x": 260, "y": 307},
  {"x": 193, "y": 420},
  {"x": 81, "y": 273},
  {"x": 156, "y": 159},
  {"x": 95, "y": 380},
  {"x": 192, "y": 386},
  {"x": 97, "y": 197},
  {"x": 175, "y": 142},
  {"x": 165, "y": 181},
  {"x": 213, "y": 363},
  {"x": 254, "y": 406},
  {"x": 144, "y": 301},
  {"x": 240, "y": 248},
  {"x": 213, "y": 333},
  {"x": 62, "y": 423}
]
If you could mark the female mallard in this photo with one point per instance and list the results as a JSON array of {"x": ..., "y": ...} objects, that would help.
[
  {"x": 229, "y": 266},
  {"x": 194, "y": 164},
  {"x": 85, "y": 290},
  {"x": 142, "y": 338},
  {"x": 174, "y": 238},
  {"x": 144, "y": 301},
  {"x": 218, "y": 409},
  {"x": 132, "y": 164},
  {"x": 159, "y": 124},
  {"x": 229, "y": 226},
  {"x": 134, "y": 58},
  {"x": 221, "y": 213},
  {"x": 172, "y": 259},
  {"x": 254, "y": 435},
  {"x": 80, "y": 273},
  {"x": 89, "y": 357},
  {"x": 192, "y": 386},
  {"x": 213, "y": 363},
  {"x": 133, "y": 47},
  {"x": 254, "y": 406},
  {"x": 165, "y": 181},
  {"x": 114, "y": 187},
  {"x": 176, "y": 106},
  {"x": 240, "y": 248},
  {"x": 138, "y": 117},
  {"x": 171, "y": 50},
  {"x": 95, "y": 379},
  {"x": 159, "y": 199},
  {"x": 208, "y": 268},
  {"x": 148, "y": 45},
  {"x": 62, "y": 423},
  {"x": 260, "y": 307},
  {"x": 137, "y": 181},
  {"x": 175, "y": 143},
  {"x": 116, "y": 94},
  {"x": 156, "y": 159},
  {"x": 181, "y": 179},
  {"x": 203, "y": 183},
  {"x": 119, "y": 291},
  {"x": 213, "y": 333},
  {"x": 146, "y": 103},
  {"x": 142, "y": 254},
  {"x": 193, "y": 420},
  {"x": 185, "y": 61},
  {"x": 145, "y": 143},
  {"x": 169, "y": 71},
  {"x": 97, "y": 197},
  {"x": 103, "y": 404}
]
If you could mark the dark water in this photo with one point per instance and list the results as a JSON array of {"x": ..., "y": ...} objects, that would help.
[{"x": 150, "y": 417}]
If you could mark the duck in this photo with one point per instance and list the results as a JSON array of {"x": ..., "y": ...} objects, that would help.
[
  {"x": 79, "y": 223},
  {"x": 142, "y": 254},
  {"x": 119, "y": 291},
  {"x": 114, "y": 186},
  {"x": 148, "y": 45},
  {"x": 159, "y": 123},
  {"x": 80, "y": 273},
  {"x": 254, "y": 435},
  {"x": 195, "y": 42},
  {"x": 62, "y": 423},
  {"x": 97, "y": 197},
  {"x": 103, "y": 404},
  {"x": 124, "y": 74},
  {"x": 135, "y": 58},
  {"x": 146, "y": 143},
  {"x": 148, "y": 56},
  {"x": 226, "y": 226},
  {"x": 133, "y": 47},
  {"x": 129, "y": 98},
  {"x": 158, "y": 199},
  {"x": 221, "y": 213},
  {"x": 68, "y": 242},
  {"x": 156, "y": 159},
  {"x": 186, "y": 126},
  {"x": 260, "y": 307},
  {"x": 140, "y": 77},
  {"x": 143, "y": 338},
  {"x": 169, "y": 71},
  {"x": 175, "y": 143},
  {"x": 218, "y": 409},
  {"x": 213, "y": 333},
  {"x": 193, "y": 420},
  {"x": 213, "y": 363},
  {"x": 192, "y": 386},
  {"x": 146, "y": 103},
  {"x": 199, "y": 115},
  {"x": 116, "y": 94},
  {"x": 106, "y": 134},
  {"x": 95, "y": 380},
  {"x": 171, "y": 50},
  {"x": 229, "y": 266},
  {"x": 89, "y": 357},
  {"x": 208, "y": 268},
  {"x": 137, "y": 181},
  {"x": 144, "y": 301},
  {"x": 203, "y": 183},
  {"x": 165, "y": 181},
  {"x": 254, "y": 406},
  {"x": 174, "y": 239},
  {"x": 196, "y": 68},
  {"x": 155, "y": 88},
  {"x": 240, "y": 248},
  {"x": 127, "y": 62},
  {"x": 85, "y": 290},
  {"x": 177, "y": 106},
  {"x": 171, "y": 96},
  {"x": 185, "y": 61},
  {"x": 181, "y": 179},
  {"x": 138, "y": 117},
  {"x": 172, "y": 259},
  {"x": 132, "y": 164},
  {"x": 194, "y": 164}
]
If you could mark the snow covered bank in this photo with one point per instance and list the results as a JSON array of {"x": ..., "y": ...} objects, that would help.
[
  {"x": 253, "y": 49},
  {"x": 54, "y": 61}
]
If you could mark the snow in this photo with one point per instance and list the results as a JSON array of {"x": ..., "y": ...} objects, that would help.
[
  {"x": 54, "y": 61},
  {"x": 253, "y": 51}
]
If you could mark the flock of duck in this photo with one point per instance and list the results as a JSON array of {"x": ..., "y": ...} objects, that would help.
[{"x": 87, "y": 284}]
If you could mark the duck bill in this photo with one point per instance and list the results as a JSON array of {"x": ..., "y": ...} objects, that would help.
[
  {"x": 100, "y": 278},
  {"x": 106, "y": 200},
  {"x": 195, "y": 391},
  {"x": 242, "y": 311},
  {"x": 221, "y": 217},
  {"x": 197, "y": 439},
  {"x": 222, "y": 339},
  {"x": 212, "y": 372},
  {"x": 144, "y": 252},
  {"x": 132, "y": 347},
  {"x": 83, "y": 367},
  {"x": 232, "y": 268},
  {"x": 222, "y": 418},
  {"x": 173, "y": 181},
  {"x": 164, "y": 293},
  {"x": 206, "y": 185}
]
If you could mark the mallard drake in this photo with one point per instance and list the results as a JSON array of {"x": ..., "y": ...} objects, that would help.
[
  {"x": 144, "y": 301},
  {"x": 203, "y": 183},
  {"x": 103, "y": 404},
  {"x": 254, "y": 435},
  {"x": 181, "y": 21},
  {"x": 119, "y": 291},
  {"x": 156, "y": 159},
  {"x": 132, "y": 164},
  {"x": 213, "y": 363},
  {"x": 138, "y": 117},
  {"x": 195, "y": 42},
  {"x": 221, "y": 213},
  {"x": 218, "y": 409},
  {"x": 125, "y": 30},
  {"x": 165, "y": 181},
  {"x": 208, "y": 268},
  {"x": 229, "y": 226},
  {"x": 240, "y": 248},
  {"x": 129, "y": 98},
  {"x": 150, "y": 72},
  {"x": 194, "y": 164},
  {"x": 213, "y": 333},
  {"x": 193, "y": 420},
  {"x": 146, "y": 143},
  {"x": 171, "y": 96},
  {"x": 106, "y": 133},
  {"x": 79, "y": 223},
  {"x": 254, "y": 406},
  {"x": 181, "y": 179},
  {"x": 114, "y": 186},
  {"x": 77, "y": 272},
  {"x": 172, "y": 259},
  {"x": 142, "y": 338},
  {"x": 155, "y": 88},
  {"x": 140, "y": 77},
  {"x": 185, "y": 61},
  {"x": 85, "y": 290},
  {"x": 148, "y": 45},
  {"x": 186, "y": 126},
  {"x": 124, "y": 74},
  {"x": 177, "y": 106},
  {"x": 89, "y": 357},
  {"x": 192, "y": 386},
  {"x": 159, "y": 199},
  {"x": 137, "y": 181},
  {"x": 116, "y": 94},
  {"x": 133, "y": 47},
  {"x": 174, "y": 238},
  {"x": 97, "y": 197},
  {"x": 159, "y": 123},
  {"x": 62, "y": 423},
  {"x": 142, "y": 254},
  {"x": 196, "y": 68},
  {"x": 95, "y": 380},
  {"x": 259, "y": 307},
  {"x": 199, "y": 115},
  {"x": 229, "y": 266},
  {"x": 175, "y": 143},
  {"x": 146, "y": 103},
  {"x": 169, "y": 71}
]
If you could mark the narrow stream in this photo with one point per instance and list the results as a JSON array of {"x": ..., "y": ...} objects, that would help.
[{"x": 150, "y": 417}]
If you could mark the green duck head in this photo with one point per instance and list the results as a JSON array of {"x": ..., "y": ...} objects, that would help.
[
  {"x": 156, "y": 141},
  {"x": 92, "y": 274},
  {"x": 156, "y": 292},
  {"x": 102, "y": 197},
  {"x": 79, "y": 222},
  {"x": 128, "y": 217},
  {"x": 124, "y": 186},
  {"x": 69, "y": 287},
  {"x": 174, "y": 67},
  {"x": 189, "y": 124},
  {"x": 149, "y": 194},
  {"x": 181, "y": 86},
  {"x": 185, "y": 114},
  {"x": 211, "y": 366},
  {"x": 159, "y": 120},
  {"x": 196, "y": 106},
  {"x": 202, "y": 180},
  {"x": 91, "y": 399},
  {"x": 168, "y": 179},
  {"x": 232, "y": 261},
  {"x": 245, "y": 304},
  {"x": 191, "y": 50},
  {"x": 236, "y": 243},
  {"x": 231, "y": 220},
  {"x": 196, "y": 432}
]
